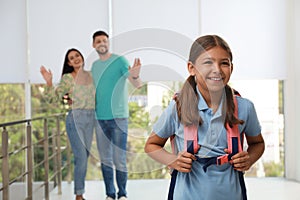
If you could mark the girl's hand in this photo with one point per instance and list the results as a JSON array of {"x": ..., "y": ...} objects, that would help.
[
  {"x": 241, "y": 161},
  {"x": 183, "y": 162}
]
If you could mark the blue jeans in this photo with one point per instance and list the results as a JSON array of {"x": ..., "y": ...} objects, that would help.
[
  {"x": 111, "y": 142},
  {"x": 80, "y": 126}
]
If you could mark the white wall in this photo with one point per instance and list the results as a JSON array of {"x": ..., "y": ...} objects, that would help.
[
  {"x": 35, "y": 33},
  {"x": 55, "y": 26},
  {"x": 255, "y": 32},
  {"x": 13, "y": 40},
  {"x": 39, "y": 32},
  {"x": 159, "y": 32},
  {"x": 292, "y": 94}
]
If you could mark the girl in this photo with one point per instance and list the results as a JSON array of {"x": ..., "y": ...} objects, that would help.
[
  {"x": 76, "y": 86},
  {"x": 207, "y": 102}
]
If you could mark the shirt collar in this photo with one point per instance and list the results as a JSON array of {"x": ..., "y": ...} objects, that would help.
[{"x": 202, "y": 105}]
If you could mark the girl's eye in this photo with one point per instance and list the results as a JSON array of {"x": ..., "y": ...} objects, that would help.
[
  {"x": 225, "y": 64},
  {"x": 207, "y": 63}
]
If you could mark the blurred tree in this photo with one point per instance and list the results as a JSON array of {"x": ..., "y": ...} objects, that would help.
[{"x": 11, "y": 102}]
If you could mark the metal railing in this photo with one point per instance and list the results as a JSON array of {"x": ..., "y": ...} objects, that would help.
[{"x": 51, "y": 148}]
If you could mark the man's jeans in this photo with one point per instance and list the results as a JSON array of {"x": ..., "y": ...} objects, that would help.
[
  {"x": 111, "y": 142},
  {"x": 80, "y": 126}
]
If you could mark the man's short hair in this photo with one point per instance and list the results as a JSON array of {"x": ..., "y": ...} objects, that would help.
[{"x": 99, "y": 33}]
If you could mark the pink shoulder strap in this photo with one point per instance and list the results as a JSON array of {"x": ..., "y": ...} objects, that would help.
[
  {"x": 233, "y": 134},
  {"x": 191, "y": 139}
]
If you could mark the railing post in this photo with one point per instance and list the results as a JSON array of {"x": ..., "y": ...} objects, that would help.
[
  {"x": 69, "y": 174},
  {"x": 58, "y": 155},
  {"x": 5, "y": 167},
  {"x": 29, "y": 162},
  {"x": 54, "y": 152},
  {"x": 46, "y": 159}
]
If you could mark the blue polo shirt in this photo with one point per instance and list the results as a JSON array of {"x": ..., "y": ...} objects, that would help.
[{"x": 219, "y": 182}]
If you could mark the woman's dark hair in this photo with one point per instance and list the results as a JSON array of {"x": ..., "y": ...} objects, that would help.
[
  {"x": 187, "y": 100},
  {"x": 66, "y": 67}
]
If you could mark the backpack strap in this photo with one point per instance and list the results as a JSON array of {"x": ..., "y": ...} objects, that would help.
[
  {"x": 233, "y": 138},
  {"x": 233, "y": 134},
  {"x": 234, "y": 144},
  {"x": 191, "y": 139}
]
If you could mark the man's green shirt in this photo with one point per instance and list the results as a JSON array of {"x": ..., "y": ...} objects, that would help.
[{"x": 110, "y": 80}]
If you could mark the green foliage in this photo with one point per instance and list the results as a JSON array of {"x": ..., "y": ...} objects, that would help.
[
  {"x": 138, "y": 117},
  {"x": 280, "y": 96},
  {"x": 168, "y": 96},
  {"x": 140, "y": 165},
  {"x": 134, "y": 91},
  {"x": 12, "y": 109},
  {"x": 41, "y": 106},
  {"x": 11, "y": 102},
  {"x": 273, "y": 169},
  {"x": 15, "y": 144}
]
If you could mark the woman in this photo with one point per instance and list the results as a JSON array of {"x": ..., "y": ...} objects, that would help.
[{"x": 77, "y": 85}]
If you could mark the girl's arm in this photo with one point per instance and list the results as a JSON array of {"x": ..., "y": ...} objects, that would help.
[
  {"x": 155, "y": 149},
  {"x": 244, "y": 160}
]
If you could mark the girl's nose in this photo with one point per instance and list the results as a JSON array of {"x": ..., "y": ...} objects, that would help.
[{"x": 217, "y": 67}]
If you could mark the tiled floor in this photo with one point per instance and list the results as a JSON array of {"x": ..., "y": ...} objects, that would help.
[{"x": 258, "y": 189}]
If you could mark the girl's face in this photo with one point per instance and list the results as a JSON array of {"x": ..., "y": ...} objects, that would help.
[
  {"x": 75, "y": 60},
  {"x": 212, "y": 70}
]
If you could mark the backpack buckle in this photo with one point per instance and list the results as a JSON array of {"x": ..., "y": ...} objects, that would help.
[{"x": 222, "y": 159}]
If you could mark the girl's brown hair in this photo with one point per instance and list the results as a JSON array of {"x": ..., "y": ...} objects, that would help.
[{"x": 187, "y": 100}]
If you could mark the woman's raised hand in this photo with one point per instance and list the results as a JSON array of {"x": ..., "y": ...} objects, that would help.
[{"x": 47, "y": 75}]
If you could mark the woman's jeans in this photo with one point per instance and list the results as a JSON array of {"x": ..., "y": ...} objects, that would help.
[
  {"x": 111, "y": 142},
  {"x": 80, "y": 126}
]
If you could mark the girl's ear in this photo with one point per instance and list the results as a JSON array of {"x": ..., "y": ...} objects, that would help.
[{"x": 191, "y": 68}]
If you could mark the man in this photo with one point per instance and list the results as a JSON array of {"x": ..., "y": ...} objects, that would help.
[{"x": 110, "y": 73}]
